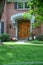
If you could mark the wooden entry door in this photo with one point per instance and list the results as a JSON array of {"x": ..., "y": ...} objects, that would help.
[{"x": 23, "y": 29}]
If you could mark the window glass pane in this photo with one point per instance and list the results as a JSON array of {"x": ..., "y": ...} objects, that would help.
[
  {"x": 20, "y": 5},
  {"x": 26, "y": 5}
]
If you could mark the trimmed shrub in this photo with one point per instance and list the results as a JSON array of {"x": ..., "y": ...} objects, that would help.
[
  {"x": 4, "y": 37},
  {"x": 39, "y": 37}
]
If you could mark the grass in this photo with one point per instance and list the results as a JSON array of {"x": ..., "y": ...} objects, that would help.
[
  {"x": 20, "y": 53},
  {"x": 35, "y": 42}
]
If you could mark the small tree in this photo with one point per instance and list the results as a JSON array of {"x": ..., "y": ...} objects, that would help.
[{"x": 36, "y": 10}]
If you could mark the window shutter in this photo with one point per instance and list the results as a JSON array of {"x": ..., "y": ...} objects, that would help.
[
  {"x": 2, "y": 27},
  {"x": 15, "y": 5}
]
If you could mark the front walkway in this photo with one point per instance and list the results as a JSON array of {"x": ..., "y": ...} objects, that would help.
[{"x": 21, "y": 43}]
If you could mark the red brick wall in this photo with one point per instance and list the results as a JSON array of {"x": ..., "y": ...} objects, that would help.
[
  {"x": 36, "y": 31},
  {"x": 42, "y": 28},
  {"x": 8, "y": 12},
  {"x": 39, "y": 30}
]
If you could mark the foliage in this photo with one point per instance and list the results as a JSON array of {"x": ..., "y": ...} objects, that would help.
[
  {"x": 38, "y": 12},
  {"x": 27, "y": 15},
  {"x": 4, "y": 37},
  {"x": 36, "y": 9},
  {"x": 39, "y": 37},
  {"x": 36, "y": 24}
]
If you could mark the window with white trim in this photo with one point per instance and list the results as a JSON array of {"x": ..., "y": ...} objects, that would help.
[{"x": 22, "y": 5}]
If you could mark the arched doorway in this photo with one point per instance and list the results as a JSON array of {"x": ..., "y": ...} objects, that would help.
[{"x": 23, "y": 26}]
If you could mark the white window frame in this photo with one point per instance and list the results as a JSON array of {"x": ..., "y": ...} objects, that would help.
[{"x": 23, "y": 6}]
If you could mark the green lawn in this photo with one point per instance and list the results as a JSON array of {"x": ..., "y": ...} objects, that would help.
[
  {"x": 35, "y": 42},
  {"x": 20, "y": 53}
]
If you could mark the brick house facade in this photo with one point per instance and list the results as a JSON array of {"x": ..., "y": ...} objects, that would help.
[{"x": 14, "y": 23}]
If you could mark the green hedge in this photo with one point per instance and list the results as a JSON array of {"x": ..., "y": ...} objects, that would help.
[
  {"x": 39, "y": 37},
  {"x": 4, "y": 37}
]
